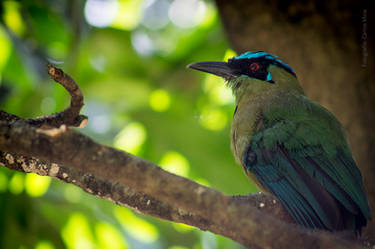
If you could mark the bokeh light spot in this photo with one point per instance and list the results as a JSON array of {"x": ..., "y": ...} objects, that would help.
[
  {"x": 229, "y": 53},
  {"x": 217, "y": 90},
  {"x": 213, "y": 119},
  {"x": 5, "y": 48},
  {"x": 131, "y": 138},
  {"x": 13, "y": 18},
  {"x": 101, "y": 123},
  {"x": 16, "y": 184},
  {"x": 77, "y": 234},
  {"x": 128, "y": 14},
  {"x": 155, "y": 14},
  {"x": 159, "y": 100},
  {"x": 100, "y": 13},
  {"x": 136, "y": 227},
  {"x": 44, "y": 244},
  {"x": 175, "y": 163},
  {"x": 210, "y": 15},
  {"x": 109, "y": 237},
  {"x": 187, "y": 13},
  {"x": 36, "y": 185},
  {"x": 142, "y": 43}
]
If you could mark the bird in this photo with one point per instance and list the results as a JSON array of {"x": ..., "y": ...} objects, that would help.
[{"x": 291, "y": 146}]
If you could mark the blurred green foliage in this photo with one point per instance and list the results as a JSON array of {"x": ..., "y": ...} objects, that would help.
[{"x": 129, "y": 58}]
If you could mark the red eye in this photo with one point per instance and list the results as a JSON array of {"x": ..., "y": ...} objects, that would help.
[{"x": 254, "y": 66}]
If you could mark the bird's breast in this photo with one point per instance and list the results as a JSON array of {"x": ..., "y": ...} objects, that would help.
[{"x": 246, "y": 120}]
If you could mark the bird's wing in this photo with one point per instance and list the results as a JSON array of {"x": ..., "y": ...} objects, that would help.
[{"x": 297, "y": 161}]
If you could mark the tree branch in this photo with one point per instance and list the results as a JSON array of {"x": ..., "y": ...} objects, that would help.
[
  {"x": 116, "y": 193},
  {"x": 137, "y": 201},
  {"x": 49, "y": 147},
  {"x": 69, "y": 116}
]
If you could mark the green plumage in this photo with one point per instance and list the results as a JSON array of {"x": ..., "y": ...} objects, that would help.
[
  {"x": 291, "y": 146},
  {"x": 299, "y": 139}
]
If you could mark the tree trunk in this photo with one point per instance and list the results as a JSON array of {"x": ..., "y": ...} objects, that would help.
[{"x": 330, "y": 46}]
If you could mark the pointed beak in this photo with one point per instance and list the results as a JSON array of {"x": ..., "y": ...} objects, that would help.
[{"x": 219, "y": 68}]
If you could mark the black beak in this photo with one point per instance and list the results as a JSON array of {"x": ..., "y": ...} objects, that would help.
[{"x": 219, "y": 68}]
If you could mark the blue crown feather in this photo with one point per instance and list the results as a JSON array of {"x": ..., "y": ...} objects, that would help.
[{"x": 260, "y": 54}]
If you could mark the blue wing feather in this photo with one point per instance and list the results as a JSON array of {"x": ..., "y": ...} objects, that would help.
[
  {"x": 278, "y": 175},
  {"x": 290, "y": 198}
]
